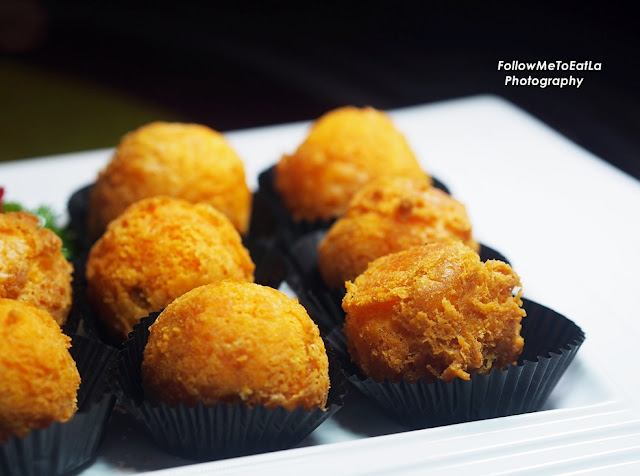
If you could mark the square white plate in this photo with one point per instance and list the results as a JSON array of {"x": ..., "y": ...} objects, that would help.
[{"x": 570, "y": 225}]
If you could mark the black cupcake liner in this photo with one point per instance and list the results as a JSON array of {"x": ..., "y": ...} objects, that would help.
[
  {"x": 219, "y": 431},
  {"x": 324, "y": 304},
  {"x": 83, "y": 320},
  {"x": 62, "y": 447},
  {"x": 78, "y": 208},
  {"x": 271, "y": 219},
  {"x": 75, "y": 323},
  {"x": 551, "y": 342}
]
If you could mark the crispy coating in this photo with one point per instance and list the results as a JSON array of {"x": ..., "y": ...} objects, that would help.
[
  {"x": 187, "y": 161},
  {"x": 345, "y": 149},
  {"x": 389, "y": 214},
  {"x": 433, "y": 311},
  {"x": 230, "y": 342},
  {"x": 157, "y": 250},
  {"x": 40, "y": 381},
  {"x": 32, "y": 266}
]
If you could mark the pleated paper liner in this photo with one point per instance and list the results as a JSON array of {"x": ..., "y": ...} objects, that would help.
[
  {"x": 324, "y": 304},
  {"x": 219, "y": 431},
  {"x": 75, "y": 324},
  {"x": 83, "y": 320},
  {"x": 270, "y": 217},
  {"x": 63, "y": 447},
  {"x": 78, "y": 208},
  {"x": 551, "y": 342}
]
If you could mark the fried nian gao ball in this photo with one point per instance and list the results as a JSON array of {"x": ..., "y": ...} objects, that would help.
[
  {"x": 236, "y": 342},
  {"x": 385, "y": 216},
  {"x": 345, "y": 149},
  {"x": 433, "y": 312},
  {"x": 157, "y": 250},
  {"x": 32, "y": 267},
  {"x": 40, "y": 381},
  {"x": 187, "y": 161}
]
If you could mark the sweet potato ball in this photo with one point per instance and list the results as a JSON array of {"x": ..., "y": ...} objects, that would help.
[
  {"x": 188, "y": 161},
  {"x": 433, "y": 312},
  {"x": 345, "y": 149},
  {"x": 389, "y": 214},
  {"x": 157, "y": 250},
  {"x": 236, "y": 342},
  {"x": 32, "y": 267},
  {"x": 39, "y": 380}
]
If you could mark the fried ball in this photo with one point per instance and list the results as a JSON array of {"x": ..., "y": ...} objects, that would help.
[
  {"x": 433, "y": 311},
  {"x": 40, "y": 381},
  {"x": 385, "y": 216},
  {"x": 157, "y": 250},
  {"x": 32, "y": 266},
  {"x": 187, "y": 161},
  {"x": 345, "y": 149},
  {"x": 236, "y": 342}
]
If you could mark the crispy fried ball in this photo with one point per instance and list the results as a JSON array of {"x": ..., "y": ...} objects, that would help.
[
  {"x": 32, "y": 266},
  {"x": 39, "y": 380},
  {"x": 157, "y": 250},
  {"x": 345, "y": 149},
  {"x": 236, "y": 342},
  {"x": 187, "y": 161},
  {"x": 385, "y": 216},
  {"x": 433, "y": 311}
]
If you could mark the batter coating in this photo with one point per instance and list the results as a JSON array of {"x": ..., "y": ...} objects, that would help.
[
  {"x": 389, "y": 214},
  {"x": 157, "y": 250},
  {"x": 230, "y": 342},
  {"x": 40, "y": 381},
  {"x": 345, "y": 149},
  {"x": 433, "y": 311},
  {"x": 32, "y": 267},
  {"x": 188, "y": 161}
]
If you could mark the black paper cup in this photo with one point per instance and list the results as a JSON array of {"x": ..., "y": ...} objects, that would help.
[
  {"x": 78, "y": 208},
  {"x": 324, "y": 304},
  {"x": 551, "y": 342},
  {"x": 76, "y": 323},
  {"x": 62, "y": 447},
  {"x": 218, "y": 431},
  {"x": 83, "y": 319},
  {"x": 270, "y": 217}
]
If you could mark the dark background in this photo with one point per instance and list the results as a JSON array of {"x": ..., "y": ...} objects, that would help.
[{"x": 241, "y": 64}]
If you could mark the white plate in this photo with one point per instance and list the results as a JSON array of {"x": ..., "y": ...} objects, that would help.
[{"x": 569, "y": 223}]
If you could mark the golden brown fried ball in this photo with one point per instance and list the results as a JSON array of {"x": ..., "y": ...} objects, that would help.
[
  {"x": 345, "y": 149},
  {"x": 389, "y": 214},
  {"x": 39, "y": 380},
  {"x": 32, "y": 266},
  {"x": 236, "y": 342},
  {"x": 157, "y": 250},
  {"x": 187, "y": 161},
  {"x": 433, "y": 311}
]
